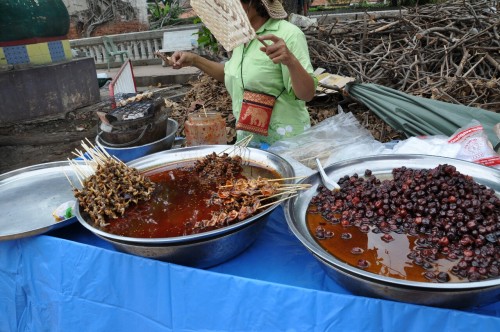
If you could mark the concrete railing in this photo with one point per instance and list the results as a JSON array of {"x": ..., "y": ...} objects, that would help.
[{"x": 140, "y": 46}]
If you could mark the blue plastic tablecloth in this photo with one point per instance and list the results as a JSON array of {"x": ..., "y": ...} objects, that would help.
[{"x": 71, "y": 280}]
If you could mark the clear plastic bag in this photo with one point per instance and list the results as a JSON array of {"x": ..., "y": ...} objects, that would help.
[{"x": 334, "y": 139}]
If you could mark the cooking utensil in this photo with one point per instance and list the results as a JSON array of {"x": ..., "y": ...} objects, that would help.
[
  {"x": 358, "y": 281},
  {"x": 327, "y": 181},
  {"x": 206, "y": 249}
]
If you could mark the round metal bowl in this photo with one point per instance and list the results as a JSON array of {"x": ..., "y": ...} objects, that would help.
[
  {"x": 204, "y": 249},
  {"x": 129, "y": 153},
  {"x": 360, "y": 282}
]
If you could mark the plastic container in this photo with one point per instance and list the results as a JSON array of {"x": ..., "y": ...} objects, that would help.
[{"x": 205, "y": 129}]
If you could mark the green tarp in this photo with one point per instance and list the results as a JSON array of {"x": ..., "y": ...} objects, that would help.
[{"x": 415, "y": 116}]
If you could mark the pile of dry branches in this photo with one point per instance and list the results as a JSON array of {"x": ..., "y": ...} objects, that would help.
[
  {"x": 448, "y": 52},
  {"x": 102, "y": 11}
]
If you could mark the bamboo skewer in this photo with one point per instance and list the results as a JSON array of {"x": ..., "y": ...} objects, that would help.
[
  {"x": 93, "y": 157},
  {"x": 69, "y": 180},
  {"x": 275, "y": 195},
  {"x": 278, "y": 201},
  {"x": 274, "y": 180},
  {"x": 284, "y": 179}
]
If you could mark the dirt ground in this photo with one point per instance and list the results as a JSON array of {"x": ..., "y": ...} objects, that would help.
[
  {"x": 55, "y": 138},
  {"x": 45, "y": 140},
  {"x": 52, "y": 138}
]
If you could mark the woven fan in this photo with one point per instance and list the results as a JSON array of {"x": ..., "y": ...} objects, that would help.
[{"x": 227, "y": 21}]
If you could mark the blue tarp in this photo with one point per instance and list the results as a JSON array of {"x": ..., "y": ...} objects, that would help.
[{"x": 71, "y": 280}]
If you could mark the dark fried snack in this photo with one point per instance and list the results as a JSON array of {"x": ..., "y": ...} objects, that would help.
[
  {"x": 216, "y": 169},
  {"x": 111, "y": 190}
]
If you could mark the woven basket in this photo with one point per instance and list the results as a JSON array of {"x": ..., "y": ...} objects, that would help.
[{"x": 226, "y": 20}]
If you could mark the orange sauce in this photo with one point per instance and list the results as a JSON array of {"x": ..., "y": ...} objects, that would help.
[
  {"x": 178, "y": 202},
  {"x": 385, "y": 258}
]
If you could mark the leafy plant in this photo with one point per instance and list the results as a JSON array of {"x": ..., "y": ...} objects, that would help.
[
  {"x": 162, "y": 11},
  {"x": 206, "y": 39},
  {"x": 158, "y": 10}
]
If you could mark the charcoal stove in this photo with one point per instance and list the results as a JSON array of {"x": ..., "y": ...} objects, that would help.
[{"x": 133, "y": 123}]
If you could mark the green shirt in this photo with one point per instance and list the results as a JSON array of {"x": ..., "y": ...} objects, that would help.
[{"x": 260, "y": 74}]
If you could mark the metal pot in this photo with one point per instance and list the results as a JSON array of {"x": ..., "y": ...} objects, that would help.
[
  {"x": 127, "y": 154},
  {"x": 358, "y": 281},
  {"x": 206, "y": 249}
]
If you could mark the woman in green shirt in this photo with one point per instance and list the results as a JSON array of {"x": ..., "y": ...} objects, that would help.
[{"x": 281, "y": 69}]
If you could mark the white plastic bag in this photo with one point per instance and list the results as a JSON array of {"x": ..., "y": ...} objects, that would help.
[
  {"x": 474, "y": 145},
  {"x": 430, "y": 145},
  {"x": 468, "y": 143}
]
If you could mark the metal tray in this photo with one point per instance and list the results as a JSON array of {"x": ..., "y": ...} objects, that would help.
[
  {"x": 29, "y": 195},
  {"x": 369, "y": 284}
]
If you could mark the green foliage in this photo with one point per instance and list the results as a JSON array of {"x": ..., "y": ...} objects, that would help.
[
  {"x": 206, "y": 39},
  {"x": 158, "y": 11},
  {"x": 163, "y": 11}
]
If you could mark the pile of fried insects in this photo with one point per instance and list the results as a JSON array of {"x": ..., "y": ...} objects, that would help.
[{"x": 108, "y": 186}]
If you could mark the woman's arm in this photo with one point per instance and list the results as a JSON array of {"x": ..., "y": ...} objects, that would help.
[
  {"x": 183, "y": 59},
  {"x": 278, "y": 52}
]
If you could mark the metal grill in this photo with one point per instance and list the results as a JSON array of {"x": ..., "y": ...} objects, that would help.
[
  {"x": 133, "y": 111},
  {"x": 137, "y": 110}
]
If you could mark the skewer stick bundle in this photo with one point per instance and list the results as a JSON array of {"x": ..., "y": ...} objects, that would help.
[{"x": 108, "y": 186}]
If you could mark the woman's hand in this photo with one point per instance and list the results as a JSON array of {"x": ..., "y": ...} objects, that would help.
[
  {"x": 182, "y": 59},
  {"x": 278, "y": 52}
]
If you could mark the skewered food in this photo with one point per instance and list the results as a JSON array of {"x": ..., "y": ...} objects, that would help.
[
  {"x": 177, "y": 199},
  {"x": 138, "y": 97},
  {"x": 111, "y": 188},
  {"x": 218, "y": 168},
  {"x": 182, "y": 204},
  {"x": 163, "y": 56},
  {"x": 238, "y": 200}
]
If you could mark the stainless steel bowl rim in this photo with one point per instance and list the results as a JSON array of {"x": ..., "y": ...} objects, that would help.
[
  {"x": 158, "y": 159},
  {"x": 331, "y": 260}
]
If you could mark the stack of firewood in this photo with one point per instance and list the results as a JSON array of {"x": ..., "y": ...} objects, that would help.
[{"x": 449, "y": 51}]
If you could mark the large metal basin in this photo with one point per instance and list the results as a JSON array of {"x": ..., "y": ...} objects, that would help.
[
  {"x": 360, "y": 282},
  {"x": 204, "y": 249}
]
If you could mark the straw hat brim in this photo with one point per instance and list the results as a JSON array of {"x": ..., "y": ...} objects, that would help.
[{"x": 275, "y": 9}]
